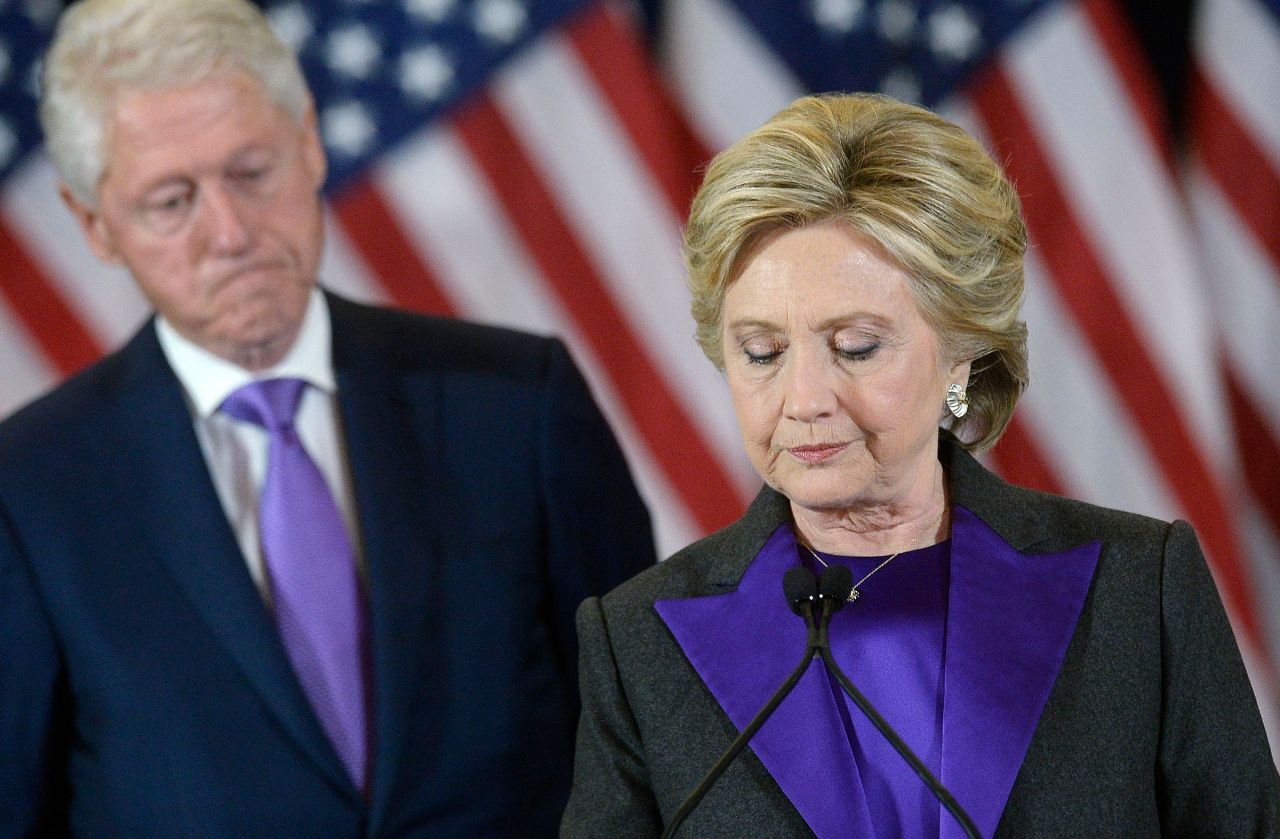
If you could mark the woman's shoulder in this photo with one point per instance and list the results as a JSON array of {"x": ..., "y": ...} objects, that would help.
[
  {"x": 712, "y": 564},
  {"x": 1052, "y": 522},
  {"x": 693, "y": 571},
  {"x": 1074, "y": 520}
]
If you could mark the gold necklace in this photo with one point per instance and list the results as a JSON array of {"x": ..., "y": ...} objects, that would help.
[{"x": 854, "y": 592}]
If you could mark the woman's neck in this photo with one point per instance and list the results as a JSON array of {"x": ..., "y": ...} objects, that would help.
[{"x": 919, "y": 518}]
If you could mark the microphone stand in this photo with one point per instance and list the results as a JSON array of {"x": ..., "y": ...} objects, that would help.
[
  {"x": 830, "y": 592},
  {"x": 802, "y": 603},
  {"x": 834, "y": 587}
]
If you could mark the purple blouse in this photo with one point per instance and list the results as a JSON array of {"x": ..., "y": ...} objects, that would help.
[{"x": 891, "y": 644}]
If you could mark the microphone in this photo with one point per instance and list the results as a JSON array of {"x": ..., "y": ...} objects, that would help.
[
  {"x": 833, "y": 592},
  {"x": 835, "y": 584},
  {"x": 800, "y": 588},
  {"x": 802, "y": 591}
]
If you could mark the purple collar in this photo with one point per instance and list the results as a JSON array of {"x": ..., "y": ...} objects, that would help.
[{"x": 1010, "y": 617}]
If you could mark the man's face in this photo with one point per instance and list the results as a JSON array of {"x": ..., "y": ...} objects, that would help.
[{"x": 210, "y": 197}]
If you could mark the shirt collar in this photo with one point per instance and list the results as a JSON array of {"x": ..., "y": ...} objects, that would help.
[{"x": 209, "y": 379}]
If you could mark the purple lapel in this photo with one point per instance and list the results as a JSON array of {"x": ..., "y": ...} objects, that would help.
[
  {"x": 744, "y": 644},
  {"x": 1010, "y": 617},
  {"x": 1000, "y": 664}
]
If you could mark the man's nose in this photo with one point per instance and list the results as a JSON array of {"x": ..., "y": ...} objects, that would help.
[{"x": 227, "y": 219}]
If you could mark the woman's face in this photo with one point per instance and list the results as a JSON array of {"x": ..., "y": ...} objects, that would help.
[{"x": 837, "y": 380}]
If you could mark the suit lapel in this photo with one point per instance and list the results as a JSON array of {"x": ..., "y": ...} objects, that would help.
[
  {"x": 744, "y": 644},
  {"x": 385, "y": 430},
  {"x": 154, "y": 451},
  {"x": 1010, "y": 616}
]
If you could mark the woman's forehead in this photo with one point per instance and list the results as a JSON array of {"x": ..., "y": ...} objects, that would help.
[{"x": 828, "y": 271}]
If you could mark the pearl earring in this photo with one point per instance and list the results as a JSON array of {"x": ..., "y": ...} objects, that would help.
[{"x": 957, "y": 400}]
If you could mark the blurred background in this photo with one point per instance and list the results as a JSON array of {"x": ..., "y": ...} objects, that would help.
[{"x": 529, "y": 163}]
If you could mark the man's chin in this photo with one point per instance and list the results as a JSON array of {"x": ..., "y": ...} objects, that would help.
[{"x": 258, "y": 344}]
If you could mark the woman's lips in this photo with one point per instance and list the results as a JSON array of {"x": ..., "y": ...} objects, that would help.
[{"x": 817, "y": 454}]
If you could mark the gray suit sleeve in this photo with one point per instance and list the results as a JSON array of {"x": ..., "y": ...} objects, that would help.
[
  {"x": 1215, "y": 772},
  {"x": 611, "y": 792}
]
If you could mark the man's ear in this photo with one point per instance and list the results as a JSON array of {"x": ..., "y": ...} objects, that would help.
[{"x": 93, "y": 225}]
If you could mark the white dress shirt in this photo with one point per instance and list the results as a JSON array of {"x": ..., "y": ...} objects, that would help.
[{"x": 236, "y": 451}]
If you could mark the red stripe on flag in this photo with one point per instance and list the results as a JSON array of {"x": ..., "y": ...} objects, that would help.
[
  {"x": 1260, "y": 450},
  {"x": 674, "y": 441},
  {"x": 1242, "y": 170},
  {"x": 621, "y": 69},
  {"x": 1126, "y": 55},
  {"x": 1018, "y": 460},
  {"x": 37, "y": 304},
  {"x": 376, "y": 232},
  {"x": 1081, "y": 282}
]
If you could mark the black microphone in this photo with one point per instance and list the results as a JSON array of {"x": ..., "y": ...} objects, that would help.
[
  {"x": 835, "y": 584},
  {"x": 833, "y": 591},
  {"x": 801, "y": 590}
]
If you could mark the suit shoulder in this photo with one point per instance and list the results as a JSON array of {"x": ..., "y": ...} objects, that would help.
[
  {"x": 712, "y": 564},
  {"x": 433, "y": 342},
  {"x": 1028, "y": 517},
  {"x": 689, "y": 572},
  {"x": 1072, "y": 517},
  {"x": 1047, "y": 523},
  {"x": 69, "y": 409}
]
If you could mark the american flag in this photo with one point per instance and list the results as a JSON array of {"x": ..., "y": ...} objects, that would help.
[{"x": 529, "y": 163}]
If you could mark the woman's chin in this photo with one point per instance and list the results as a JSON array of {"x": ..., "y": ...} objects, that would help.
[{"x": 814, "y": 496}]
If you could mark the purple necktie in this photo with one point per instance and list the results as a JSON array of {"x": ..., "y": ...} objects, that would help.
[{"x": 312, "y": 568}]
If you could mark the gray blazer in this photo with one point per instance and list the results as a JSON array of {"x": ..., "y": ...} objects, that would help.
[{"x": 1150, "y": 727}]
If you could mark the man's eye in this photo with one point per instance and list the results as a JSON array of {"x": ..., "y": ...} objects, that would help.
[
  {"x": 167, "y": 211},
  {"x": 253, "y": 171},
  {"x": 166, "y": 201},
  {"x": 169, "y": 204},
  {"x": 257, "y": 173}
]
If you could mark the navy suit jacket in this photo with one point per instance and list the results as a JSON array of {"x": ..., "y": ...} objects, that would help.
[{"x": 143, "y": 688}]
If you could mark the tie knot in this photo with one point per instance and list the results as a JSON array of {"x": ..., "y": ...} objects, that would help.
[{"x": 270, "y": 403}]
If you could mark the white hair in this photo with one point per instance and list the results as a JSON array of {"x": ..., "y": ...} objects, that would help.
[{"x": 104, "y": 47}]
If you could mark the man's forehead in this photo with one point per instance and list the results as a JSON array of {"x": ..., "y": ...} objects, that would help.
[
  {"x": 201, "y": 123},
  {"x": 232, "y": 92}
]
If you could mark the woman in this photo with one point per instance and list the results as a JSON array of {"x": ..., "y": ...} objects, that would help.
[{"x": 1064, "y": 670}]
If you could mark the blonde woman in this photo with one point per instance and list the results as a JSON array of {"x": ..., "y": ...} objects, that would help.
[{"x": 1062, "y": 669}]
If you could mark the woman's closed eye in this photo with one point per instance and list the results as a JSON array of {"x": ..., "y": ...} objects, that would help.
[
  {"x": 762, "y": 358},
  {"x": 761, "y": 350},
  {"x": 860, "y": 352}
]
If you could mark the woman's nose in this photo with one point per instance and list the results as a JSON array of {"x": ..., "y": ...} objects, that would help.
[{"x": 809, "y": 387}]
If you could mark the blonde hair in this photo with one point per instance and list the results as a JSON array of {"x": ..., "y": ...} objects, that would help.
[
  {"x": 918, "y": 186},
  {"x": 103, "y": 47}
]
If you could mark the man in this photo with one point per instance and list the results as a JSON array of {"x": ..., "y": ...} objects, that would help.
[{"x": 283, "y": 565}]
